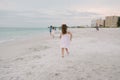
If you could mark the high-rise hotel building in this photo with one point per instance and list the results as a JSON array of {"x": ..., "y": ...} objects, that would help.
[{"x": 112, "y": 21}]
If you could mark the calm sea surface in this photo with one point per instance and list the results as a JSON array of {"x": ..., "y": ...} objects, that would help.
[{"x": 7, "y": 34}]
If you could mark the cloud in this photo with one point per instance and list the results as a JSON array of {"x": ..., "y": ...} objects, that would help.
[
  {"x": 44, "y": 12},
  {"x": 7, "y": 5},
  {"x": 38, "y": 17}
]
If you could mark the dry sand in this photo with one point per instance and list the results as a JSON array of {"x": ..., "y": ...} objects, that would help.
[{"x": 94, "y": 55}]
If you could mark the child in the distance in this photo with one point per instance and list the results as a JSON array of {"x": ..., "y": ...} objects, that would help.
[{"x": 65, "y": 37}]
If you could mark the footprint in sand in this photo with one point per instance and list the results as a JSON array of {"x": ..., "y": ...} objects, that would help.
[
  {"x": 6, "y": 66},
  {"x": 19, "y": 59},
  {"x": 29, "y": 73},
  {"x": 54, "y": 74},
  {"x": 0, "y": 60},
  {"x": 34, "y": 49},
  {"x": 15, "y": 78},
  {"x": 72, "y": 67},
  {"x": 33, "y": 67},
  {"x": 57, "y": 74},
  {"x": 39, "y": 48},
  {"x": 2, "y": 78},
  {"x": 88, "y": 76},
  {"x": 81, "y": 78},
  {"x": 37, "y": 57},
  {"x": 118, "y": 72}
]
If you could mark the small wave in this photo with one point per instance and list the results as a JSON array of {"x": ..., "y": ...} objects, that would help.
[{"x": 3, "y": 41}]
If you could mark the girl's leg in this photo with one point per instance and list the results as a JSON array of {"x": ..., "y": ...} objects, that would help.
[
  {"x": 62, "y": 50},
  {"x": 53, "y": 35},
  {"x": 67, "y": 50}
]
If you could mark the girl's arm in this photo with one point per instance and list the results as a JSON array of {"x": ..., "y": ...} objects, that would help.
[{"x": 70, "y": 35}]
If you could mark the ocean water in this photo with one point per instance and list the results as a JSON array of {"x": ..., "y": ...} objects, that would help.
[{"x": 8, "y": 34}]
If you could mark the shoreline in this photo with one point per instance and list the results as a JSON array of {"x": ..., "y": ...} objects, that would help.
[
  {"x": 12, "y": 33},
  {"x": 21, "y": 44}
]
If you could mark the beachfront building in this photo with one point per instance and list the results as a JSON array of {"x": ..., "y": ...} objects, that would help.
[
  {"x": 98, "y": 22},
  {"x": 112, "y": 21}
]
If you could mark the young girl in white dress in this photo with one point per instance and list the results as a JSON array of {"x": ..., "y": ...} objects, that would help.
[{"x": 65, "y": 37}]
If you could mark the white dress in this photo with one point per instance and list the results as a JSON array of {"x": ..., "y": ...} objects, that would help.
[{"x": 65, "y": 41}]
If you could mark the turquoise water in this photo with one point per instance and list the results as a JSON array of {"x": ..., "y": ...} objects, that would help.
[{"x": 7, "y": 34}]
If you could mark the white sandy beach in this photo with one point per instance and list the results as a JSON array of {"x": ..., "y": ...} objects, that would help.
[{"x": 94, "y": 55}]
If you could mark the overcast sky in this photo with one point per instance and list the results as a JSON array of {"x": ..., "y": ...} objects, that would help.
[{"x": 42, "y": 13}]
